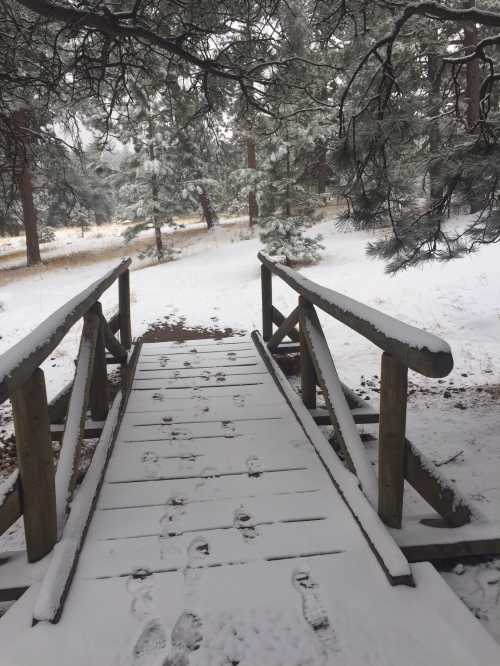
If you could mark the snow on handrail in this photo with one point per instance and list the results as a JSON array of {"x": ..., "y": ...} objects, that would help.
[
  {"x": 419, "y": 350},
  {"x": 20, "y": 361}
]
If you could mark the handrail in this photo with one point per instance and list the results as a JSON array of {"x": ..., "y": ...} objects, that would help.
[
  {"x": 403, "y": 347},
  {"x": 41, "y": 496},
  {"x": 419, "y": 350},
  {"x": 21, "y": 360}
]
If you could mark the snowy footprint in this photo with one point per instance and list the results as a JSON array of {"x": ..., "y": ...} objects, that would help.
[
  {"x": 245, "y": 523},
  {"x": 313, "y": 610},
  {"x": 254, "y": 466},
  {"x": 139, "y": 588},
  {"x": 228, "y": 429},
  {"x": 239, "y": 400},
  {"x": 152, "y": 640},
  {"x": 151, "y": 462},
  {"x": 186, "y": 634},
  {"x": 169, "y": 526},
  {"x": 186, "y": 638}
]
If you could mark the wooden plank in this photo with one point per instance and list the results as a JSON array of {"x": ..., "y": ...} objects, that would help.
[
  {"x": 389, "y": 556},
  {"x": 99, "y": 390},
  {"x": 196, "y": 373},
  {"x": 200, "y": 383},
  {"x": 200, "y": 363},
  {"x": 289, "y": 323},
  {"x": 229, "y": 429},
  {"x": 340, "y": 413},
  {"x": 10, "y": 501},
  {"x": 104, "y": 559},
  {"x": 67, "y": 468},
  {"x": 18, "y": 364},
  {"x": 111, "y": 343},
  {"x": 57, "y": 579},
  {"x": 422, "y": 543},
  {"x": 286, "y": 483},
  {"x": 279, "y": 319},
  {"x": 36, "y": 465},
  {"x": 308, "y": 378},
  {"x": 413, "y": 347},
  {"x": 124, "y": 309},
  {"x": 216, "y": 514},
  {"x": 92, "y": 429},
  {"x": 425, "y": 477},
  {"x": 267, "y": 302},
  {"x": 391, "y": 449},
  {"x": 361, "y": 416},
  {"x": 114, "y": 322}
]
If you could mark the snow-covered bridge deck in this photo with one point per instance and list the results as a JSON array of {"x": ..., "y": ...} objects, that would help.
[{"x": 220, "y": 537}]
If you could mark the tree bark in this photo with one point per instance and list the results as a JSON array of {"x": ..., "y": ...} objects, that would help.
[
  {"x": 473, "y": 75},
  {"x": 209, "y": 212},
  {"x": 472, "y": 90},
  {"x": 288, "y": 192},
  {"x": 322, "y": 175},
  {"x": 25, "y": 184},
  {"x": 433, "y": 73},
  {"x": 154, "y": 195},
  {"x": 253, "y": 209}
]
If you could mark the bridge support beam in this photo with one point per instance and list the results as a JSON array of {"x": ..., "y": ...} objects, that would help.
[{"x": 392, "y": 440}]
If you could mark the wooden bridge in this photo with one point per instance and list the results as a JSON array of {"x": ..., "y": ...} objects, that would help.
[{"x": 216, "y": 524}]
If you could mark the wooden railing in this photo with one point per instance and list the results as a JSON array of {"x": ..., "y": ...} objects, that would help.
[
  {"x": 403, "y": 347},
  {"x": 35, "y": 491}
]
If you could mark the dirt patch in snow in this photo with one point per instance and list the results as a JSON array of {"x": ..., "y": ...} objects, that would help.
[{"x": 174, "y": 329}]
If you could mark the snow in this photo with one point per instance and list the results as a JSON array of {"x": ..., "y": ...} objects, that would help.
[
  {"x": 71, "y": 440},
  {"x": 8, "y": 485},
  {"x": 218, "y": 283},
  {"x": 340, "y": 407},
  {"x": 384, "y": 547},
  {"x": 389, "y": 327},
  {"x": 66, "y": 550},
  {"x": 51, "y": 330}
]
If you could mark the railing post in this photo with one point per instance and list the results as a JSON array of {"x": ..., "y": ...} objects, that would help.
[
  {"x": 392, "y": 440},
  {"x": 124, "y": 308},
  {"x": 36, "y": 465},
  {"x": 307, "y": 372},
  {"x": 267, "y": 302},
  {"x": 99, "y": 394}
]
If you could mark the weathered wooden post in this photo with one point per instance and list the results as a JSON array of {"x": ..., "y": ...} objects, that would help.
[
  {"x": 392, "y": 440},
  {"x": 307, "y": 371},
  {"x": 99, "y": 394},
  {"x": 267, "y": 302},
  {"x": 36, "y": 465},
  {"x": 124, "y": 309}
]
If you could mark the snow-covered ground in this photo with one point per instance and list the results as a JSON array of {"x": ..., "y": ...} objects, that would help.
[{"x": 217, "y": 283}]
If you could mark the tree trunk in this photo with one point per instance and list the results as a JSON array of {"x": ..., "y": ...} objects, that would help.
[
  {"x": 26, "y": 192},
  {"x": 154, "y": 195},
  {"x": 253, "y": 209},
  {"x": 100, "y": 218},
  {"x": 209, "y": 212},
  {"x": 288, "y": 193},
  {"x": 322, "y": 170},
  {"x": 472, "y": 90},
  {"x": 473, "y": 75},
  {"x": 435, "y": 167}
]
